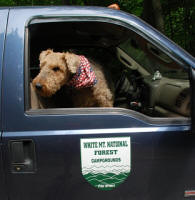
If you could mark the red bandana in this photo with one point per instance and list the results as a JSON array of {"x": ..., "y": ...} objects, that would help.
[{"x": 85, "y": 76}]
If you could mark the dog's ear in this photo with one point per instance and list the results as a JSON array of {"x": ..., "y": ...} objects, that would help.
[
  {"x": 72, "y": 61},
  {"x": 43, "y": 54}
]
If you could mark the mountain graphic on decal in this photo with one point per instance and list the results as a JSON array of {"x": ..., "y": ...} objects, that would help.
[
  {"x": 106, "y": 181},
  {"x": 106, "y": 178}
]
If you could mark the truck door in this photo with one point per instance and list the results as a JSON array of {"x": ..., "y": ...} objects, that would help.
[
  {"x": 3, "y": 24},
  {"x": 96, "y": 153}
]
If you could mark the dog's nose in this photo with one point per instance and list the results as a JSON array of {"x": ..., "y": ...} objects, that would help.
[{"x": 38, "y": 86}]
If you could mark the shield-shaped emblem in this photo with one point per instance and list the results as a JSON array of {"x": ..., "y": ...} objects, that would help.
[{"x": 106, "y": 162}]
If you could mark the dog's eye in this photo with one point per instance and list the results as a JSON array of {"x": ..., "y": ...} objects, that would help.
[{"x": 55, "y": 69}]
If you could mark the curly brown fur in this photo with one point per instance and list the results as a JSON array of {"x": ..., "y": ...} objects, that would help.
[{"x": 56, "y": 70}]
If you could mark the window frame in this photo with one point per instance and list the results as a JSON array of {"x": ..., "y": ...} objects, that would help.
[{"x": 95, "y": 111}]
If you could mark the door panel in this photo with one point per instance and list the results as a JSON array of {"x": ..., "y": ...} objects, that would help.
[{"x": 161, "y": 166}]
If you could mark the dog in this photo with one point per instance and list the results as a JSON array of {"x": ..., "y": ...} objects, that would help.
[{"x": 85, "y": 79}]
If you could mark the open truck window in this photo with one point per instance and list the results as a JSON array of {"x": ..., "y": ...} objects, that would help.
[{"x": 140, "y": 76}]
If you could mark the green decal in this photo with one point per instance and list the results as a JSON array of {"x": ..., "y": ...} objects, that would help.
[{"x": 105, "y": 162}]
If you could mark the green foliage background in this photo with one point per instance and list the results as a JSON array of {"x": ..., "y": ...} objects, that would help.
[{"x": 178, "y": 15}]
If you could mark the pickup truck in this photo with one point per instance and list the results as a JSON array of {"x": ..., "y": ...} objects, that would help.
[{"x": 141, "y": 149}]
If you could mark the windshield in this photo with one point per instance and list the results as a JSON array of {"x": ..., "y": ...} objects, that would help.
[{"x": 152, "y": 59}]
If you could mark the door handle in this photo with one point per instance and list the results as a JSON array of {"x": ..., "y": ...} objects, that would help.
[{"x": 22, "y": 156}]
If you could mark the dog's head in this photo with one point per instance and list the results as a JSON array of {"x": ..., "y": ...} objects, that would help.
[{"x": 55, "y": 71}]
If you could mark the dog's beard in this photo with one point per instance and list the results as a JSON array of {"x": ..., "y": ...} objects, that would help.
[{"x": 48, "y": 90}]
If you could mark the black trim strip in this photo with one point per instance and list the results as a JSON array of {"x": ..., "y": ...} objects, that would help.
[{"x": 192, "y": 88}]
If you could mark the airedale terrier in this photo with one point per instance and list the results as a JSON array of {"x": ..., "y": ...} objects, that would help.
[{"x": 86, "y": 79}]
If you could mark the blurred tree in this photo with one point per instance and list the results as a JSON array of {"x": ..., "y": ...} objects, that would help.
[
  {"x": 152, "y": 13},
  {"x": 179, "y": 18}
]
